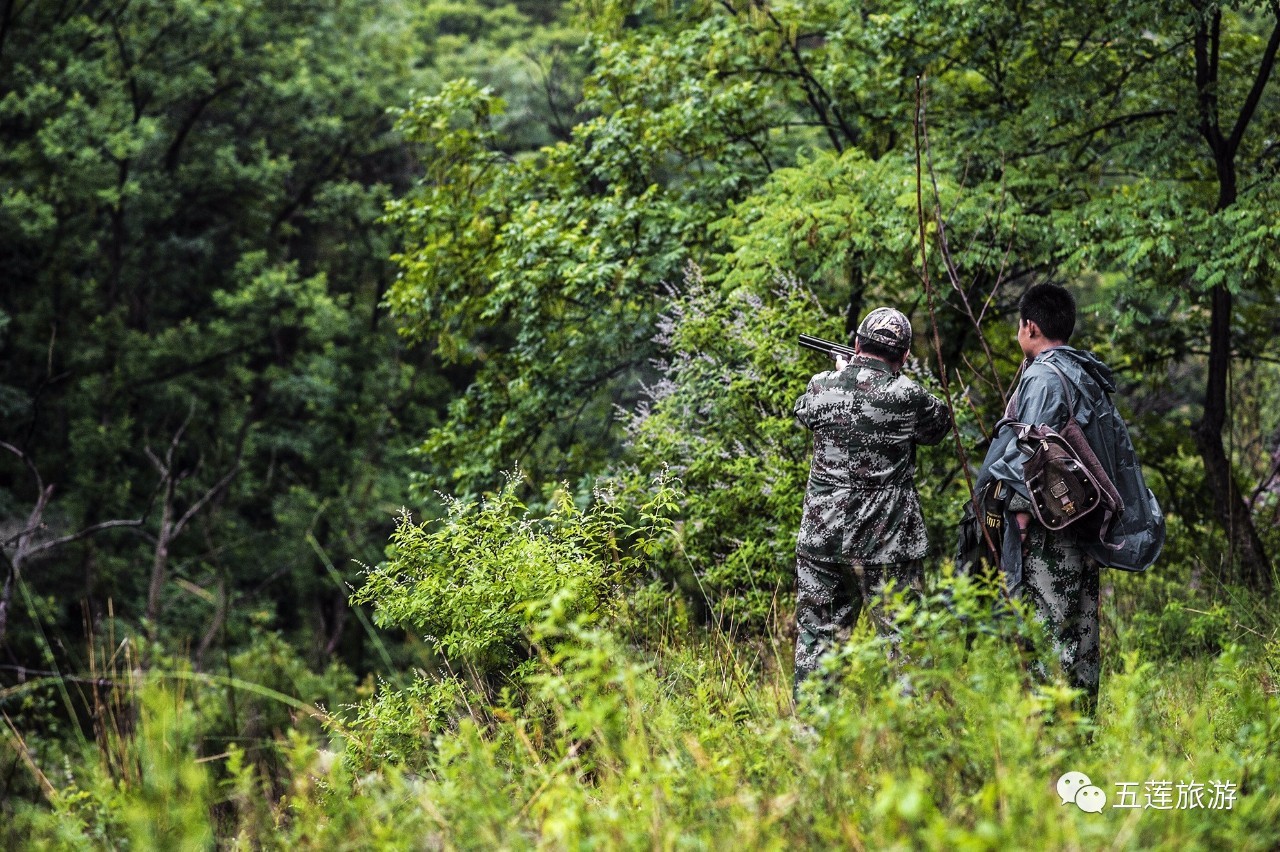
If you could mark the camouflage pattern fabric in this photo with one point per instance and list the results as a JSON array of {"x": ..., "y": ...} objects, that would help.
[
  {"x": 1060, "y": 582},
  {"x": 862, "y": 525},
  {"x": 861, "y": 503},
  {"x": 888, "y": 326},
  {"x": 829, "y": 597}
]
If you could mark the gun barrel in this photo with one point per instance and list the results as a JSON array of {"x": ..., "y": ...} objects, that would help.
[{"x": 827, "y": 347}]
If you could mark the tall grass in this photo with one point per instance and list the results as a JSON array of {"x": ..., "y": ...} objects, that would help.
[
  {"x": 686, "y": 739},
  {"x": 584, "y": 708}
]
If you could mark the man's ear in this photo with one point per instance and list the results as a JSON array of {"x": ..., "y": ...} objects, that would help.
[{"x": 1033, "y": 329}]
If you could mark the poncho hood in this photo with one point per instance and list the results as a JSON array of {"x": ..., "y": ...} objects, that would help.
[{"x": 1069, "y": 358}]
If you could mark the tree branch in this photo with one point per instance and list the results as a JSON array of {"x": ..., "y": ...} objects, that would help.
[
  {"x": 208, "y": 495},
  {"x": 35, "y": 521},
  {"x": 1206, "y": 83},
  {"x": 1265, "y": 68},
  {"x": 175, "y": 147},
  {"x": 815, "y": 93},
  {"x": 84, "y": 533}
]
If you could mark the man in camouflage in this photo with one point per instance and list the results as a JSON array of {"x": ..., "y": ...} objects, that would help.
[
  {"x": 862, "y": 527},
  {"x": 1054, "y": 571}
]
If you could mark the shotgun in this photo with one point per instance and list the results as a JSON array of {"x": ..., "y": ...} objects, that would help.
[{"x": 827, "y": 347}]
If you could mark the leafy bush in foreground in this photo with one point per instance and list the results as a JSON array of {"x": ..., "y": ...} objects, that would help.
[
  {"x": 686, "y": 744},
  {"x": 619, "y": 725},
  {"x": 476, "y": 582}
]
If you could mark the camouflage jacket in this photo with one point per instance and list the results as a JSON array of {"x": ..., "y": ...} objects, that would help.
[{"x": 861, "y": 503}]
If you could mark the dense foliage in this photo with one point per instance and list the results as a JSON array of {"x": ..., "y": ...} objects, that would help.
[
  {"x": 273, "y": 272},
  {"x": 190, "y": 273},
  {"x": 691, "y": 742}
]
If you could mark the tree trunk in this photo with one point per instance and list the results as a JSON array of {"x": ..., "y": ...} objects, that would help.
[
  {"x": 1247, "y": 560},
  {"x": 160, "y": 561},
  {"x": 1247, "y": 557}
]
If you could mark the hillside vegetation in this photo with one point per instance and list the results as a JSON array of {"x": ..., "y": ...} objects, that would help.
[{"x": 396, "y": 436}]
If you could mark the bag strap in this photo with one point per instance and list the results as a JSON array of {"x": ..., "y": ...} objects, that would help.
[
  {"x": 1066, "y": 387},
  {"x": 1012, "y": 406}
]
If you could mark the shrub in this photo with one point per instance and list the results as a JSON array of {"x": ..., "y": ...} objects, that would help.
[
  {"x": 689, "y": 743},
  {"x": 477, "y": 580},
  {"x": 721, "y": 418}
]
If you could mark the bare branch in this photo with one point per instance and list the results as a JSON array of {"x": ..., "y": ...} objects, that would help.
[
  {"x": 155, "y": 461},
  {"x": 35, "y": 522},
  {"x": 31, "y": 465},
  {"x": 921, "y": 139},
  {"x": 944, "y": 244},
  {"x": 84, "y": 533},
  {"x": 208, "y": 495}
]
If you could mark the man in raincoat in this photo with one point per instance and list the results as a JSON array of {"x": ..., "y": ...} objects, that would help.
[{"x": 1057, "y": 572}]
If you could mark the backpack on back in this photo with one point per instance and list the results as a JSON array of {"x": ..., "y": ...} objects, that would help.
[{"x": 1113, "y": 513}]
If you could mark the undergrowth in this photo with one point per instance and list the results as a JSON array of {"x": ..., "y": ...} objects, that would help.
[{"x": 611, "y": 720}]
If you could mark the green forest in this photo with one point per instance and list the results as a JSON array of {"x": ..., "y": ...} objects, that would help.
[{"x": 397, "y": 445}]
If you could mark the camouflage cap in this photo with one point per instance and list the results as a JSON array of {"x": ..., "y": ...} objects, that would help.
[{"x": 888, "y": 327}]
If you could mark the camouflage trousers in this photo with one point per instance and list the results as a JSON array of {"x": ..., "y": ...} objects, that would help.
[
  {"x": 1061, "y": 584},
  {"x": 831, "y": 595}
]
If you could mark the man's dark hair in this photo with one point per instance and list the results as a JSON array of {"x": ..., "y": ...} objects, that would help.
[
  {"x": 1052, "y": 307},
  {"x": 879, "y": 350}
]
